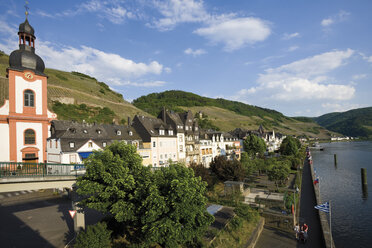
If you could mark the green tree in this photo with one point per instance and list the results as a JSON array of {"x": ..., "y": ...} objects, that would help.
[
  {"x": 254, "y": 145},
  {"x": 227, "y": 169},
  {"x": 278, "y": 173},
  {"x": 95, "y": 236},
  {"x": 165, "y": 207},
  {"x": 290, "y": 146},
  {"x": 201, "y": 171}
]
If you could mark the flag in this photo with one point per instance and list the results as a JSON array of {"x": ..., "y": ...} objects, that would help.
[
  {"x": 316, "y": 181},
  {"x": 323, "y": 207}
]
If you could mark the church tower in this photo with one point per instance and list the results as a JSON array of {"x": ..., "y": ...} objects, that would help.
[{"x": 25, "y": 116}]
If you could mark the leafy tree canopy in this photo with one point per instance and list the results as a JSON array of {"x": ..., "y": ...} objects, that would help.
[
  {"x": 165, "y": 207},
  {"x": 254, "y": 145},
  {"x": 290, "y": 146},
  {"x": 227, "y": 169}
]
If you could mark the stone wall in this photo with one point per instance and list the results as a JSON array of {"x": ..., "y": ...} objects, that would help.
[{"x": 322, "y": 215}]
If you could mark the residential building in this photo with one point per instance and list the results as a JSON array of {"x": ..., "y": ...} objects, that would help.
[
  {"x": 72, "y": 142},
  {"x": 191, "y": 137},
  {"x": 174, "y": 119},
  {"x": 161, "y": 137}
]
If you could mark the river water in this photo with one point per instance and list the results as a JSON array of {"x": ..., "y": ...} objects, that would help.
[{"x": 351, "y": 206}]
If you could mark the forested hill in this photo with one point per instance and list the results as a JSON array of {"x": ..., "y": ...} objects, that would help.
[
  {"x": 172, "y": 99},
  {"x": 356, "y": 122}
]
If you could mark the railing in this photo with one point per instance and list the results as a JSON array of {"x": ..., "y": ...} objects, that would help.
[{"x": 16, "y": 169}]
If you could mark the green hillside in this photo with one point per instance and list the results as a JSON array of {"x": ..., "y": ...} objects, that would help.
[
  {"x": 356, "y": 122},
  {"x": 228, "y": 115},
  {"x": 90, "y": 99}
]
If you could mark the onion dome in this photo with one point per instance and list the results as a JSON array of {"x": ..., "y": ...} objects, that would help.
[{"x": 25, "y": 58}]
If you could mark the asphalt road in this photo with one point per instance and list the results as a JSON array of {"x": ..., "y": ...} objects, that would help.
[
  {"x": 34, "y": 222},
  {"x": 308, "y": 213}
]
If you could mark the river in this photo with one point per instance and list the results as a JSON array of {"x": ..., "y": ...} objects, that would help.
[{"x": 351, "y": 206}]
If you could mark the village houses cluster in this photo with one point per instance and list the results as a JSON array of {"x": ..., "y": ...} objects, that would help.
[{"x": 32, "y": 133}]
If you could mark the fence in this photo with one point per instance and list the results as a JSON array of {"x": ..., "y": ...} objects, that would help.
[{"x": 17, "y": 169}]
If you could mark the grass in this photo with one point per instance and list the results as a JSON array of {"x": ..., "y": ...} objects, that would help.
[
  {"x": 227, "y": 120},
  {"x": 233, "y": 235}
]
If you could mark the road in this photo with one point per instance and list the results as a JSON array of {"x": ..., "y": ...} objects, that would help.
[
  {"x": 38, "y": 222},
  {"x": 308, "y": 213}
]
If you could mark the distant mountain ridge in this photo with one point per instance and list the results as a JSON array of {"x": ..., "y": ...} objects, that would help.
[
  {"x": 228, "y": 115},
  {"x": 154, "y": 102},
  {"x": 355, "y": 123}
]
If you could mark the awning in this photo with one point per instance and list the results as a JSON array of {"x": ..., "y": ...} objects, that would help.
[{"x": 84, "y": 155}]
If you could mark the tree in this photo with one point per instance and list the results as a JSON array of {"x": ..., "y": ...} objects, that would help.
[
  {"x": 248, "y": 164},
  {"x": 165, "y": 207},
  {"x": 254, "y": 145},
  {"x": 290, "y": 146},
  {"x": 227, "y": 169},
  {"x": 95, "y": 236},
  {"x": 278, "y": 173},
  {"x": 201, "y": 171}
]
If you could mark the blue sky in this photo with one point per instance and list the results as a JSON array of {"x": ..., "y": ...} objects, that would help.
[{"x": 302, "y": 58}]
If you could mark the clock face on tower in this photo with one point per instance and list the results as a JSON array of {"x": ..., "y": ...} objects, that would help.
[{"x": 29, "y": 75}]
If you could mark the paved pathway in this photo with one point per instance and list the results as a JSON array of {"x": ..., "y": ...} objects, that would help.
[
  {"x": 271, "y": 237},
  {"x": 308, "y": 213}
]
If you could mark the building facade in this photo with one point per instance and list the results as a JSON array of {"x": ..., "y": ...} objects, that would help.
[{"x": 24, "y": 117}]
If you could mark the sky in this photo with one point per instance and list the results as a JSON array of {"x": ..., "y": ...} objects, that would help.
[{"x": 301, "y": 58}]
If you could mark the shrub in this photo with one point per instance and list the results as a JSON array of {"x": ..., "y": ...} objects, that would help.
[
  {"x": 245, "y": 212},
  {"x": 236, "y": 223},
  {"x": 95, "y": 236}
]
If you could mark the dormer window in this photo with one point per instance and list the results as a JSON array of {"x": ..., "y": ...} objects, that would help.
[
  {"x": 104, "y": 144},
  {"x": 187, "y": 127},
  {"x": 98, "y": 131},
  {"x": 130, "y": 133},
  {"x": 118, "y": 132},
  {"x": 72, "y": 144},
  {"x": 196, "y": 128},
  {"x": 161, "y": 131},
  {"x": 85, "y": 131},
  {"x": 170, "y": 132}
]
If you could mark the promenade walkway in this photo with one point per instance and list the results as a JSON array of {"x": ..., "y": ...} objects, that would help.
[{"x": 308, "y": 213}]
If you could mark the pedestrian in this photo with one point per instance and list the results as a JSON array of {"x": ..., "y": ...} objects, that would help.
[{"x": 297, "y": 231}]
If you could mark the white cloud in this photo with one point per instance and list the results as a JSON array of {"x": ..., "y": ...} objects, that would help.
[
  {"x": 292, "y": 48},
  {"x": 236, "y": 33},
  {"x": 99, "y": 64},
  {"x": 304, "y": 79},
  {"x": 359, "y": 76},
  {"x": 327, "y": 22},
  {"x": 337, "y": 107},
  {"x": 113, "y": 10},
  {"x": 340, "y": 17},
  {"x": 148, "y": 84},
  {"x": 290, "y": 36},
  {"x": 194, "y": 53},
  {"x": 95, "y": 62},
  {"x": 179, "y": 11}
]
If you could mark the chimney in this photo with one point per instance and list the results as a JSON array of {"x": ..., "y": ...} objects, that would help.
[
  {"x": 164, "y": 116},
  {"x": 129, "y": 122}
]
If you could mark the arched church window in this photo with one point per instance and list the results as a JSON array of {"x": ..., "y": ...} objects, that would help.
[
  {"x": 30, "y": 137},
  {"x": 29, "y": 98}
]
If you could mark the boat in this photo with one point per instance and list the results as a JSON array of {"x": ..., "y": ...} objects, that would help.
[{"x": 316, "y": 146}]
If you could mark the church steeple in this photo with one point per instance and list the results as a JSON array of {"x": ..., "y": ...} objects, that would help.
[{"x": 25, "y": 57}]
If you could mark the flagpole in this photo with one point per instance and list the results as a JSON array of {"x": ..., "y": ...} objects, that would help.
[{"x": 330, "y": 221}]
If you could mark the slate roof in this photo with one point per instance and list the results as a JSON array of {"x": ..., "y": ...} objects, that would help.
[
  {"x": 81, "y": 133},
  {"x": 148, "y": 127}
]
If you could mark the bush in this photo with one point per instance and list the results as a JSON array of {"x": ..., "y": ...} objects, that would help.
[
  {"x": 236, "y": 223},
  {"x": 95, "y": 236},
  {"x": 245, "y": 212}
]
